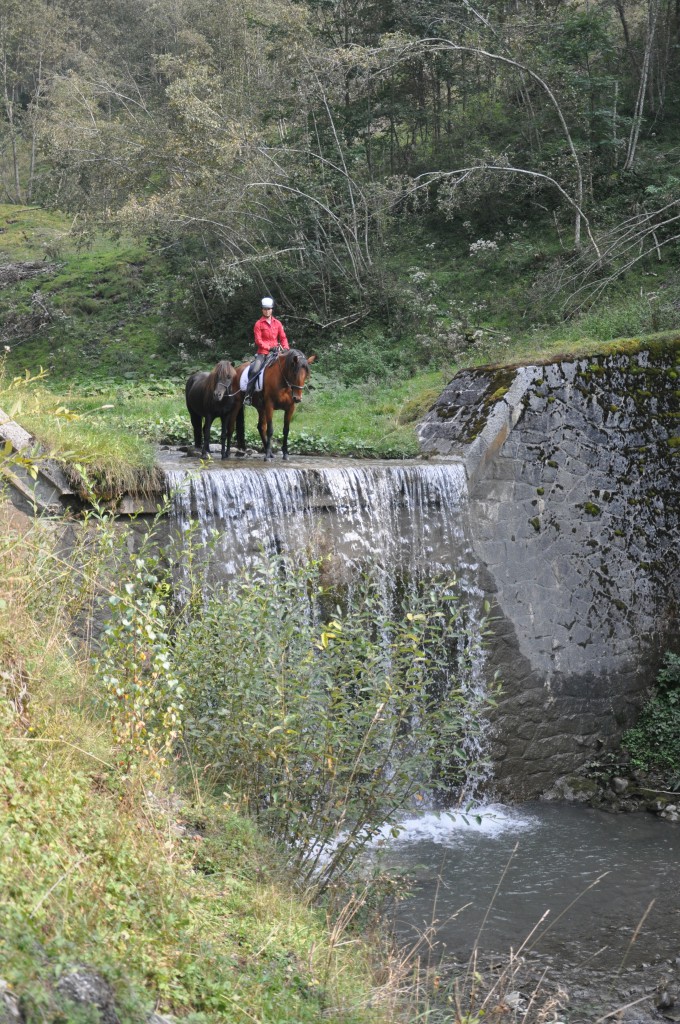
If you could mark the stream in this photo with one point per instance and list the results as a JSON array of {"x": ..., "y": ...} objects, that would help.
[{"x": 609, "y": 885}]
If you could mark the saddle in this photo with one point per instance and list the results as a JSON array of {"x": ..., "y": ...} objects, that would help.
[{"x": 245, "y": 377}]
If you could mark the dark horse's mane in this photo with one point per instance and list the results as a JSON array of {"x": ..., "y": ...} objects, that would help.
[{"x": 221, "y": 374}]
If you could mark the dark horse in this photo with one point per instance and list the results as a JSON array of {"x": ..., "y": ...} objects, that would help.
[
  {"x": 209, "y": 396},
  {"x": 284, "y": 379}
]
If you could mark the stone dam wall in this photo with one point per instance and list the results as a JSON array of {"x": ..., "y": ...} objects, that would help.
[{"x": 574, "y": 476}]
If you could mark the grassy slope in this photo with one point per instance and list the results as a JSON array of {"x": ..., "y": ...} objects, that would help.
[
  {"x": 177, "y": 901},
  {"x": 106, "y": 300},
  {"x": 115, "y": 381}
]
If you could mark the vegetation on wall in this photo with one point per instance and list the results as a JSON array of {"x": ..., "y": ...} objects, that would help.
[{"x": 654, "y": 742}]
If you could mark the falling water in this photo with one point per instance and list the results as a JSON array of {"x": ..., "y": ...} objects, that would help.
[
  {"x": 403, "y": 523},
  {"x": 399, "y": 517}
]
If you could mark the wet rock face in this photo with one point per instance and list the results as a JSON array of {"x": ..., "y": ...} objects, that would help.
[
  {"x": 9, "y": 1005},
  {"x": 88, "y": 989},
  {"x": 576, "y": 522}
]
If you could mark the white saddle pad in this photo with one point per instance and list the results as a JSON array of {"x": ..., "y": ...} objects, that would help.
[{"x": 245, "y": 377}]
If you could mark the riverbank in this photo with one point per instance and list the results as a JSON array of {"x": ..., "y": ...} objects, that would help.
[
  {"x": 617, "y": 787},
  {"x": 135, "y": 895}
]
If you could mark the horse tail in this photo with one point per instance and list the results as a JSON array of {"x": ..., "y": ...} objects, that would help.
[{"x": 189, "y": 385}]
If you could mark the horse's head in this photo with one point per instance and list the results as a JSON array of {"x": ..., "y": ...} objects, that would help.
[
  {"x": 222, "y": 377},
  {"x": 296, "y": 372}
]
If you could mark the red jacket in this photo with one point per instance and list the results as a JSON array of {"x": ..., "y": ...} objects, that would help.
[{"x": 269, "y": 334}]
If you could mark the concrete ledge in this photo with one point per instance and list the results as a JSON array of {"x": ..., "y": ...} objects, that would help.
[
  {"x": 50, "y": 491},
  {"x": 474, "y": 416},
  {"x": 502, "y": 418}
]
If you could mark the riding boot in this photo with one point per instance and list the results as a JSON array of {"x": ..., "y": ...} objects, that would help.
[{"x": 255, "y": 368}]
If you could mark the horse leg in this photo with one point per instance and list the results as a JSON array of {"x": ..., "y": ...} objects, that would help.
[
  {"x": 269, "y": 414},
  {"x": 270, "y": 431},
  {"x": 236, "y": 418},
  {"x": 196, "y": 423},
  {"x": 287, "y": 417},
  {"x": 229, "y": 421},
  {"x": 223, "y": 435},
  {"x": 205, "y": 451},
  {"x": 241, "y": 429},
  {"x": 262, "y": 429},
  {"x": 265, "y": 425},
  {"x": 228, "y": 427}
]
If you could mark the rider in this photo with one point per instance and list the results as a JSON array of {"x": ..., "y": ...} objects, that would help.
[{"x": 269, "y": 333}]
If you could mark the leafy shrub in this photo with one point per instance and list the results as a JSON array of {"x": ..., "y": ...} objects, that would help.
[
  {"x": 136, "y": 664},
  {"x": 326, "y": 730},
  {"x": 654, "y": 742}
]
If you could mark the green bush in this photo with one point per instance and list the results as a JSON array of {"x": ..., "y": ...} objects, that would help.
[
  {"x": 326, "y": 729},
  {"x": 135, "y": 663},
  {"x": 177, "y": 901},
  {"x": 654, "y": 742}
]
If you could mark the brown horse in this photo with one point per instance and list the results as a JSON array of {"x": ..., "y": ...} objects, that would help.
[
  {"x": 284, "y": 379},
  {"x": 209, "y": 396}
]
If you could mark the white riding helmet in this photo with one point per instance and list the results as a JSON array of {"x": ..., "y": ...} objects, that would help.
[{"x": 267, "y": 303}]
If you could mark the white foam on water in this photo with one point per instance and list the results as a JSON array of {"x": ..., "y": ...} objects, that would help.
[
  {"x": 447, "y": 828},
  {"x": 453, "y": 827}
]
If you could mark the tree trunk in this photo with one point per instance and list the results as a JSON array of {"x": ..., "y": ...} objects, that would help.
[{"x": 652, "y": 17}]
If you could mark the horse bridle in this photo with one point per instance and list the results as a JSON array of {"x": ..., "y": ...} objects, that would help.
[
  {"x": 292, "y": 387},
  {"x": 298, "y": 386}
]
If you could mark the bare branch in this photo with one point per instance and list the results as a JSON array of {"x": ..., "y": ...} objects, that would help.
[
  {"x": 446, "y": 45},
  {"x": 462, "y": 173}
]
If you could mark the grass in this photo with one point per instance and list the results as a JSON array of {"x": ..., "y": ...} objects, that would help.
[
  {"x": 104, "y": 301},
  {"x": 90, "y": 435},
  {"x": 369, "y": 419},
  {"x": 111, "y": 428},
  {"x": 116, "y": 369},
  {"x": 178, "y": 902}
]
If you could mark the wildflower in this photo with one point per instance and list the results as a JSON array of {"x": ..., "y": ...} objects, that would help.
[{"x": 483, "y": 245}]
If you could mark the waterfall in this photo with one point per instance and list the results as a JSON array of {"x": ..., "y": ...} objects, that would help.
[
  {"x": 404, "y": 522},
  {"x": 402, "y": 518}
]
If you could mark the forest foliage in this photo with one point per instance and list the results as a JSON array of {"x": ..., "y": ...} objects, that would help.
[{"x": 282, "y": 146}]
